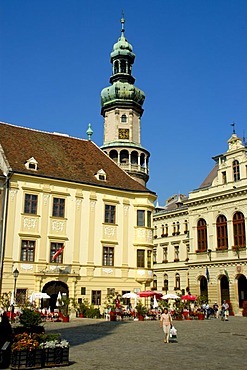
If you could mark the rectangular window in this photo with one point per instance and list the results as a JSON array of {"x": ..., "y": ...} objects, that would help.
[
  {"x": 149, "y": 255},
  {"x": 149, "y": 218},
  {"x": 58, "y": 207},
  {"x": 140, "y": 258},
  {"x": 30, "y": 205},
  {"x": 83, "y": 290},
  {"x": 165, "y": 254},
  {"x": 108, "y": 256},
  {"x": 140, "y": 218},
  {"x": 27, "y": 250},
  {"x": 176, "y": 253},
  {"x": 96, "y": 297},
  {"x": 155, "y": 255},
  {"x": 21, "y": 297},
  {"x": 110, "y": 212},
  {"x": 224, "y": 177},
  {"x": 55, "y": 247}
]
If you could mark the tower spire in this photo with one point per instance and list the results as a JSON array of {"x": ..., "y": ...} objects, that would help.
[{"x": 122, "y": 22}]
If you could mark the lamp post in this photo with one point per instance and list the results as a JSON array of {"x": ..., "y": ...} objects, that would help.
[{"x": 15, "y": 274}]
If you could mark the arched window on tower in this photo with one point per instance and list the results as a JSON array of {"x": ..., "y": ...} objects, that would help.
[
  {"x": 124, "y": 156},
  {"x": 123, "y": 66},
  {"x": 123, "y": 118},
  {"x": 142, "y": 160},
  {"x": 239, "y": 230},
  {"x": 116, "y": 68},
  {"x": 236, "y": 170},
  {"x": 134, "y": 157},
  {"x": 221, "y": 229},
  {"x": 114, "y": 155},
  {"x": 201, "y": 235}
]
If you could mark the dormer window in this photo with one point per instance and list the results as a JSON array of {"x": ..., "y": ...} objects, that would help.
[
  {"x": 101, "y": 175},
  {"x": 124, "y": 118},
  {"x": 31, "y": 164}
]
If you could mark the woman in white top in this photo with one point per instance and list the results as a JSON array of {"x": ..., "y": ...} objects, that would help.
[{"x": 166, "y": 323}]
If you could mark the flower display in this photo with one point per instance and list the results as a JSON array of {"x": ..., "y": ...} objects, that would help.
[
  {"x": 25, "y": 342},
  {"x": 55, "y": 344}
]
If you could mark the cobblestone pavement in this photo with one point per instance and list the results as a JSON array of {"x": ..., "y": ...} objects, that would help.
[{"x": 135, "y": 345}]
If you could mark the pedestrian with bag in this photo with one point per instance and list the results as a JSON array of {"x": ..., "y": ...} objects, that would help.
[{"x": 166, "y": 324}]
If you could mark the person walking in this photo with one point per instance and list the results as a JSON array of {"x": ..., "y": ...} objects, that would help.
[
  {"x": 225, "y": 310},
  {"x": 166, "y": 324}
]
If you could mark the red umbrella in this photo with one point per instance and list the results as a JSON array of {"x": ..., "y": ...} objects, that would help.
[
  {"x": 150, "y": 293},
  {"x": 189, "y": 297}
]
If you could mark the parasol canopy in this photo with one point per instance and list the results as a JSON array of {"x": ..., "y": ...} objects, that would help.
[
  {"x": 150, "y": 293},
  {"x": 170, "y": 296},
  {"x": 38, "y": 295},
  {"x": 189, "y": 297}
]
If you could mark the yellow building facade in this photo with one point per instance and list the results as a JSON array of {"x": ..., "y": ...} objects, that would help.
[
  {"x": 200, "y": 240},
  {"x": 77, "y": 219}
]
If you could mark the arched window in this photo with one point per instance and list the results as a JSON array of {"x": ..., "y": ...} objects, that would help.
[
  {"x": 221, "y": 230},
  {"x": 124, "y": 156},
  {"x": 123, "y": 66},
  {"x": 177, "y": 281},
  {"x": 239, "y": 230},
  {"x": 155, "y": 282},
  {"x": 165, "y": 282},
  {"x": 201, "y": 235},
  {"x": 134, "y": 157},
  {"x": 114, "y": 155},
  {"x": 123, "y": 118},
  {"x": 116, "y": 67},
  {"x": 236, "y": 171}
]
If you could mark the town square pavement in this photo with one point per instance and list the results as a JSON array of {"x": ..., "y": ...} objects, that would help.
[{"x": 135, "y": 345}]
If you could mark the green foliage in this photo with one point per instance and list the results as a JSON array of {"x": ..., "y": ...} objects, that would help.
[
  {"x": 164, "y": 304},
  {"x": 111, "y": 301},
  {"x": 5, "y": 300},
  {"x": 141, "y": 309},
  {"x": 93, "y": 313},
  {"x": 29, "y": 318},
  {"x": 64, "y": 306},
  {"x": 83, "y": 307}
]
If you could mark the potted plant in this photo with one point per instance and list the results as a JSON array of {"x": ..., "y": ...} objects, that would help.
[
  {"x": 141, "y": 311},
  {"x": 55, "y": 351},
  {"x": 64, "y": 308},
  {"x": 30, "y": 320},
  {"x": 83, "y": 307},
  {"x": 111, "y": 305},
  {"x": 25, "y": 352}
]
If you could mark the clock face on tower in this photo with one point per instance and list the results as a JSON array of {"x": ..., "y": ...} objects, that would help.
[{"x": 123, "y": 133}]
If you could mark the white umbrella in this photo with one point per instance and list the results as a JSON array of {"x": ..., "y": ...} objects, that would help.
[
  {"x": 155, "y": 305},
  {"x": 170, "y": 296},
  {"x": 38, "y": 295},
  {"x": 59, "y": 299},
  {"x": 131, "y": 295}
]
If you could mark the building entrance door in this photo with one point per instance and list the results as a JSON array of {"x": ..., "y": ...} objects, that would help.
[{"x": 52, "y": 289}]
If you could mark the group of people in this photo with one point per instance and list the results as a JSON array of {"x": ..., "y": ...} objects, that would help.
[{"x": 215, "y": 312}]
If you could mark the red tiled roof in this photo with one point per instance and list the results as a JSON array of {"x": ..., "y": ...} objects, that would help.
[{"x": 62, "y": 157}]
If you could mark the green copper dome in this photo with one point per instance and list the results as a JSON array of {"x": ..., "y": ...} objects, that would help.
[
  {"x": 122, "y": 47},
  {"x": 122, "y": 89}
]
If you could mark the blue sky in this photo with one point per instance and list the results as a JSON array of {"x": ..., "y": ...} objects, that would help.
[{"x": 191, "y": 62}]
